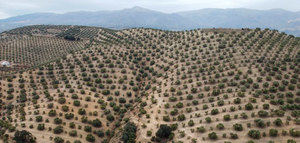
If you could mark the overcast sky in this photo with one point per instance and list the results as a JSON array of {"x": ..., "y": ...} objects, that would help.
[{"x": 10, "y": 8}]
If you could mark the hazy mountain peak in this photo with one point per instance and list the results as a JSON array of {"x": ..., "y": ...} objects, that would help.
[
  {"x": 142, "y": 17},
  {"x": 279, "y": 10},
  {"x": 138, "y": 9}
]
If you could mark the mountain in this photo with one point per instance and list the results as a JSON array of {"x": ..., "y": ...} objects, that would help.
[
  {"x": 241, "y": 18},
  {"x": 279, "y": 19}
]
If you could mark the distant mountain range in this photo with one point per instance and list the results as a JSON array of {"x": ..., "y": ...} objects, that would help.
[{"x": 282, "y": 20}]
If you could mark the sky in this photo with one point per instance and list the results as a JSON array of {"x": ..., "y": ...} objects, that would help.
[{"x": 9, "y": 8}]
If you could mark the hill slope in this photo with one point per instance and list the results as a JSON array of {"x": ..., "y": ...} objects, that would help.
[
  {"x": 140, "y": 17},
  {"x": 206, "y": 85}
]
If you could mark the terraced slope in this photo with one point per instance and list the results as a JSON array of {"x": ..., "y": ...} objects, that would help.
[
  {"x": 210, "y": 85},
  {"x": 222, "y": 84},
  {"x": 35, "y": 45}
]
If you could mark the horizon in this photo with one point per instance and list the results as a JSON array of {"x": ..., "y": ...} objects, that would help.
[
  {"x": 21, "y": 7},
  {"x": 133, "y": 7}
]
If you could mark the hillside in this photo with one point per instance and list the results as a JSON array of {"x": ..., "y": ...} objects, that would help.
[
  {"x": 147, "y": 85},
  {"x": 35, "y": 45},
  {"x": 284, "y": 21}
]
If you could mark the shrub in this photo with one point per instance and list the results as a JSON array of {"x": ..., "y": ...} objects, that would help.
[
  {"x": 90, "y": 138},
  {"x": 201, "y": 129},
  {"x": 65, "y": 108},
  {"x": 294, "y": 133},
  {"x": 129, "y": 134},
  {"x": 81, "y": 111},
  {"x": 73, "y": 133},
  {"x": 59, "y": 140},
  {"x": 110, "y": 117},
  {"x": 263, "y": 113},
  {"x": 72, "y": 125},
  {"x": 266, "y": 106},
  {"x": 277, "y": 122},
  {"x": 226, "y": 117},
  {"x": 212, "y": 136},
  {"x": 69, "y": 115},
  {"x": 24, "y": 137},
  {"x": 273, "y": 132},
  {"x": 87, "y": 128},
  {"x": 122, "y": 100},
  {"x": 39, "y": 118},
  {"x": 181, "y": 117},
  {"x": 220, "y": 126},
  {"x": 99, "y": 133},
  {"x": 191, "y": 123},
  {"x": 57, "y": 121},
  {"x": 76, "y": 103},
  {"x": 106, "y": 92},
  {"x": 249, "y": 106},
  {"x": 291, "y": 141},
  {"x": 149, "y": 133},
  {"x": 221, "y": 103},
  {"x": 164, "y": 132},
  {"x": 62, "y": 100},
  {"x": 233, "y": 136},
  {"x": 70, "y": 37},
  {"x": 255, "y": 134},
  {"x": 41, "y": 127},
  {"x": 214, "y": 112},
  {"x": 96, "y": 123},
  {"x": 237, "y": 101},
  {"x": 260, "y": 123},
  {"x": 166, "y": 118},
  {"x": 57, "y": 130},
  {"x": 23, "y": 98},
  {"x": 279, "y": 113},
  {"x": 208, "y": 119},
  {"x": 52, "y": 113},
  {"x": 238, "y": 127}
]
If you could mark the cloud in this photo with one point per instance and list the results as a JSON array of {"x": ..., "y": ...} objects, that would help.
[
  {"x": 18, "y": 7},
  {"x": 4, "y": 15}
]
